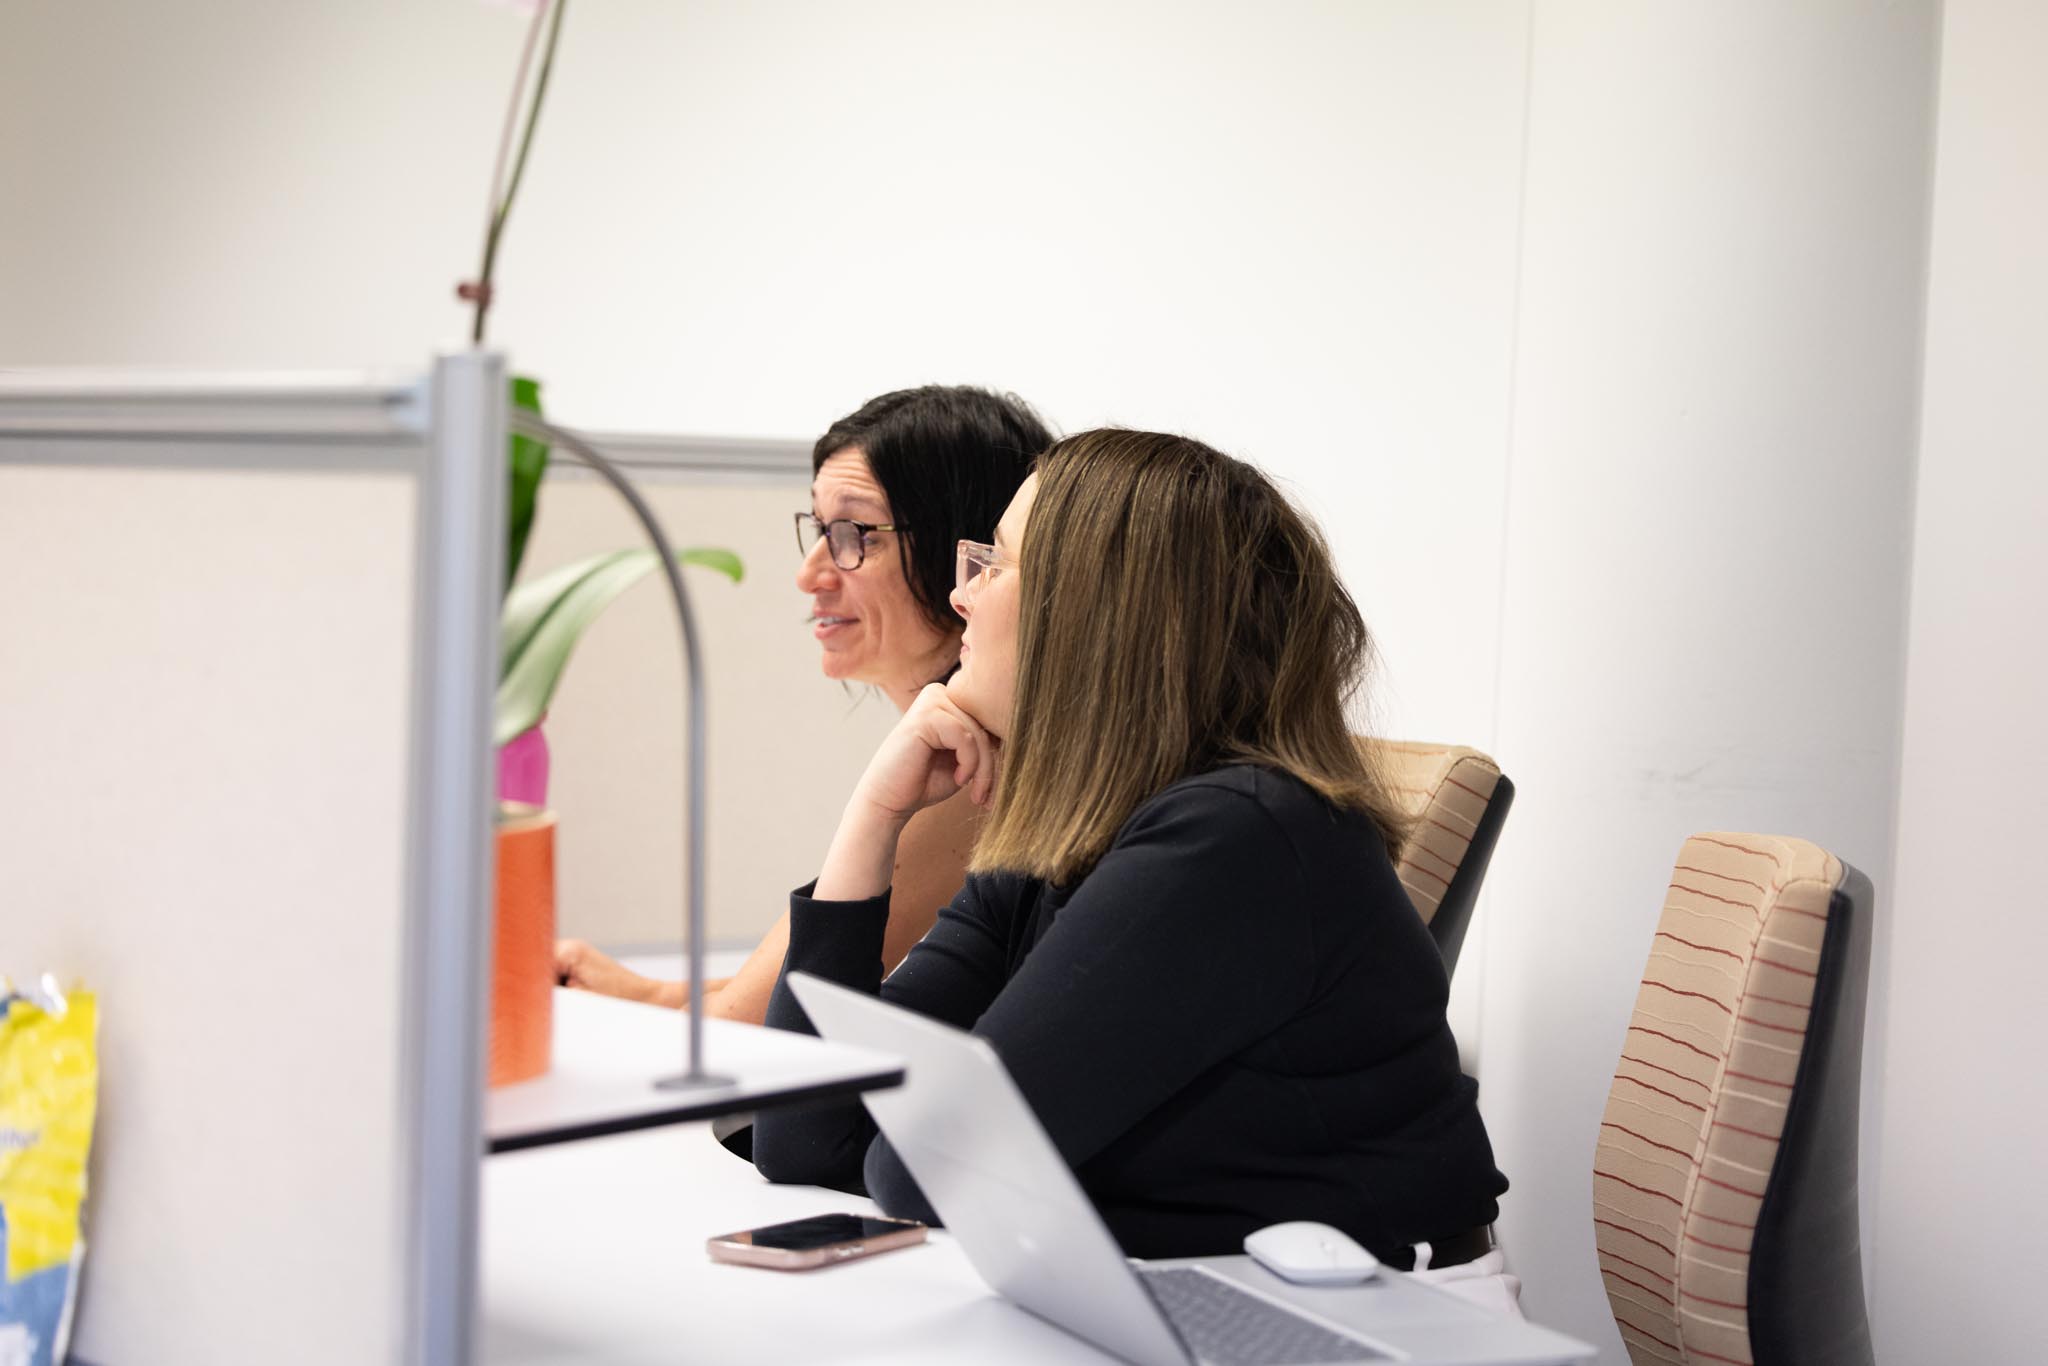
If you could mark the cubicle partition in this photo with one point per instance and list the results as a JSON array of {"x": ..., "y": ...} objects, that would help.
[{"x": 247, "y": 650}]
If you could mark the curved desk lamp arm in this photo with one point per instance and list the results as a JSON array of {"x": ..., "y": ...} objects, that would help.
[{"x": 528, "y": 424}]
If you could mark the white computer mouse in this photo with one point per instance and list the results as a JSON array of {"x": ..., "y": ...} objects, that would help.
[{"x": 1311, "y": 1254}]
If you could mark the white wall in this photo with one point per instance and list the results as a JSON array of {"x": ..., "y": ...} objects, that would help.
[
  {"x": 1288, "y": 228},
  {"x": 241, "y": 183},
  {"x": 1709, "y": 496},
  {"x": 1964, "y": 1108}
]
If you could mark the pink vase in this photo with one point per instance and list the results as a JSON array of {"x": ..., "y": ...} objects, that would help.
[{"x": 523, "y": 768}]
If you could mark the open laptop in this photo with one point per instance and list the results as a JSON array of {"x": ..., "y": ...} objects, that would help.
[{"x": 1006, "y": 1195}]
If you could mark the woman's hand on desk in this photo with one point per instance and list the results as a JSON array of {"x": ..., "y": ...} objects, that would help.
[{"x": 579, "y": 965}]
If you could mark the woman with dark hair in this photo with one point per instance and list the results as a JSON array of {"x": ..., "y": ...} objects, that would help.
[
  {"x": 1181, "y": 929},
  {"x": 895, "y": 487}
]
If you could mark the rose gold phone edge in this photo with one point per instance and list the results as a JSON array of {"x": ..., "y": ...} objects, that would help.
[{"x": 726, "y": 1247}]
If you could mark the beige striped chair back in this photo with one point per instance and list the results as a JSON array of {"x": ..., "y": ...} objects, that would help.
[
  {"x": 1457, "y": 798},
  {"x": 1724, "y": 1180}
]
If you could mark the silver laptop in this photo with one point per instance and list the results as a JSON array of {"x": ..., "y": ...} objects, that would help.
[{"x": 1006, "y": 1195}]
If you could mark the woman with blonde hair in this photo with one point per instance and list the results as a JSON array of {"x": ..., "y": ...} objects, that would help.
[{"x": 1181, "y": 929}]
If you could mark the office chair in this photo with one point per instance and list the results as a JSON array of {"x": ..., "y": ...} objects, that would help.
[
  {"x": 1458, "y": 798},
  {"x": 1724, "y": 1181}
]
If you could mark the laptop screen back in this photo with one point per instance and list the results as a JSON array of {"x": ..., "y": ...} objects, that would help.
[{"x": 971, "y": 1140}]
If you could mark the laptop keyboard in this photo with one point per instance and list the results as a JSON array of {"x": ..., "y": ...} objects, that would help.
[{"x": 1231, "y": 1327}]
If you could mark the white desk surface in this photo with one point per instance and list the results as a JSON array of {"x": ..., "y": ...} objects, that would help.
[
  {"x": 594, "y": 1252},
  {"x": 609, "y": 1053}
]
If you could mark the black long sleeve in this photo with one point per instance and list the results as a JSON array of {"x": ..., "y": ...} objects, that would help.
[{"x": 1235, "y": 1018}]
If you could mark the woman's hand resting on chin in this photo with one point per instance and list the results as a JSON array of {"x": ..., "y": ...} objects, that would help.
[{"x": 936, "y": 750}]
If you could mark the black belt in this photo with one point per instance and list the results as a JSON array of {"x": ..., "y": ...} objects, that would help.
[{"x": 1455, "y": 1250}]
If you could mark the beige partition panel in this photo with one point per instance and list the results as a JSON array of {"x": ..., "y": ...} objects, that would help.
[
  {"x": 202, "y": 751},
  {"x": 244, "y": 672}
]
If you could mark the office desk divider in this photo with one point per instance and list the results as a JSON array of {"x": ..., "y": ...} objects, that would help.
[{"x": 248, "y": 646}]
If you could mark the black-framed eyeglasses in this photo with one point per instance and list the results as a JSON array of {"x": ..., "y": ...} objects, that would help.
[{"x": 848, "y": 539}]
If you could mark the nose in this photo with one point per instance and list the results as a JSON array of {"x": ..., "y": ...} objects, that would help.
[
  {"x": 961, "y": 603},
  {"x": 817, "y": 571}
]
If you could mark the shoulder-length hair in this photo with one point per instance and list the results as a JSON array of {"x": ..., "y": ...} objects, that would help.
[{"x": 1176, "y": 614}]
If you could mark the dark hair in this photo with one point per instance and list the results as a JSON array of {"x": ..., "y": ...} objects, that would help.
[
  {"x": 949, "y": 458},
  {"x": 1175, "y": 613}
]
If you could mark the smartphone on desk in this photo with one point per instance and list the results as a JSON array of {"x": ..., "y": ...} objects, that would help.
[{"x": 823, "y": 1240}]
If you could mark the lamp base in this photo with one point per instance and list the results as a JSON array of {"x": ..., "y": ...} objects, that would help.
[{"x": 694, "y": 1081}]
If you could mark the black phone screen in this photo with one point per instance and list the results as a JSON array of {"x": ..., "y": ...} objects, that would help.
[{"x": 800, "y": 1235}]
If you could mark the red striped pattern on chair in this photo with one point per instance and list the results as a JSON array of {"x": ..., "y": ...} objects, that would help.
[
  {"x": 1693, "y": 1119},
  {"x": 1445, "y": 789}
]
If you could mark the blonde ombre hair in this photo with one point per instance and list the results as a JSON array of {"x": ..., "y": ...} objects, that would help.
[{"x": 1176, "y": 613}]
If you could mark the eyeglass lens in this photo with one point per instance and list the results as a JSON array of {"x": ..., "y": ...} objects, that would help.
[
  {"x": 969, "y": 564},
  {"x": 847, "y": 550},
  {"x": 843, "y": 538}
]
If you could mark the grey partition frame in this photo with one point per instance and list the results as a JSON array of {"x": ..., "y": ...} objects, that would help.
[{"x": 447, "y": 424}]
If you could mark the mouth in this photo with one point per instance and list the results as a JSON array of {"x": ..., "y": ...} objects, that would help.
[{"x": 826, "y": 624}]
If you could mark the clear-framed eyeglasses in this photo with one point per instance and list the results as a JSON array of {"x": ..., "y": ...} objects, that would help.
[
  {"x": 847, "y": 539},
  {"x": 976, "y": 565}
]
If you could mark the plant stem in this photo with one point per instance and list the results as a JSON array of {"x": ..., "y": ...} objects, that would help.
[
  {"x": 502, "y": 209},
  {"x": 511, "y": 120}
]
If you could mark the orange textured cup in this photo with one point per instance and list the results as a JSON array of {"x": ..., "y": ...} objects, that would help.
[{"x": 523, "y": 956}]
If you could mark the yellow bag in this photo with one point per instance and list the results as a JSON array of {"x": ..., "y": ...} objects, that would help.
[{"x": 49, "y": 1086}]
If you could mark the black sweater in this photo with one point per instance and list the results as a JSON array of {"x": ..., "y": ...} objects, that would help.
[{"x": 1236, "y": 1018}]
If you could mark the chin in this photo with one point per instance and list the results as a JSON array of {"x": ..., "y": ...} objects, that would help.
[{"x": 967, "y": 701}]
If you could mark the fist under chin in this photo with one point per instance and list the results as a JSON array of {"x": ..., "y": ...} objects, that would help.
[{"x": 960, "y": 690}]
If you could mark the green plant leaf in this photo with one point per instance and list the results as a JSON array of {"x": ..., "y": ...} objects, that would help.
[
  {"x": 529, "y": 465},
  {"x": 544, "y": 619},
  {"x": 724, "y": 561},
  {"x": 528, "y": 604}
]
